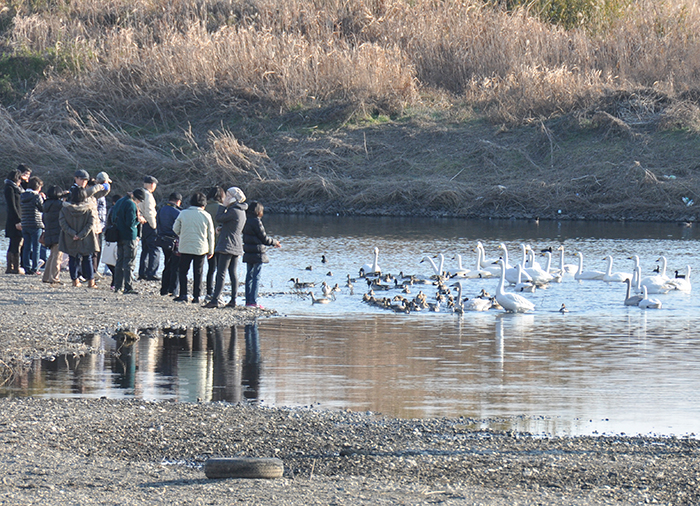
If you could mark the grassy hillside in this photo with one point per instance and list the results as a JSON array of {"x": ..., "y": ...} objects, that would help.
[{"x": 557, "y": 108}]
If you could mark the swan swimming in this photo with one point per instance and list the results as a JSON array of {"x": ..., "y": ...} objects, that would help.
[
  {"x": 614, "y": 277},
  {"x": 371, "y": 269},
  {"x": 647, "y": 303},
  {"x": 459, "y": 272},
  {"x": 631, "y": 300},
  {"x": 511, "y": 273},
  {"x": 682, "y": 284},
  {"x": 588, "y": 275},
  {"x": 511, "y": 302},
  {"x": 437, "y": 269},
  {"x": 658, "y": 283}
]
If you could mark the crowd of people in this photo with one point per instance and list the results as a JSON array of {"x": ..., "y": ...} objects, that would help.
[{"x": 78, "y": 229}]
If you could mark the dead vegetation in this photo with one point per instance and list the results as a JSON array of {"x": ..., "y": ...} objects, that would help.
[{"x": 369, "y": 106}]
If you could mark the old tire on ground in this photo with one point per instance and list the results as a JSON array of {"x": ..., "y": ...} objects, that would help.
[{"x": 244, "y": 468}]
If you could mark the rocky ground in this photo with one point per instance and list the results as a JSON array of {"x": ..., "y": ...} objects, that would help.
[{"x": 137, "y": 452}]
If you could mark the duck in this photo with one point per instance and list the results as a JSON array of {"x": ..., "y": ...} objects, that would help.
[
  {"x": 320, "y": 300},
  {"x": 646, "y": 302},
  {"x": 372, "y": 269},
  {"x": 586, "y": 275},
  {"x": 631, "y": 300},
  {"x": 326, "y": 289},
  {"x": 614, "y": 277},
  {"x": 511, "y": 302},
  {"x": 298, "y": 285},
  {"x": 563, "y": 309}
]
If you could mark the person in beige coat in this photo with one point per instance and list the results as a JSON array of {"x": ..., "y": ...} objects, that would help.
[{"x": 195, "y": 230}]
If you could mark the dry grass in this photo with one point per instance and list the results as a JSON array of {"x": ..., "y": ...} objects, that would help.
[{"x": 208, "y": 91}]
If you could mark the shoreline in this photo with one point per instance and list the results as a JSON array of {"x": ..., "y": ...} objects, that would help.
[{"x": 41, "y": 320}]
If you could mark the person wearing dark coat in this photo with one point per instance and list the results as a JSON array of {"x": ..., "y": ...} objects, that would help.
[
  {"x": 167, "y": 240},
  {"x": 126, "y": 218},
  {"x": 13, "y": 223},
  {"x": 52, "y": 232},
  {"x": 78, "y": 239},
  {"x": 32, "y": 204},
  {"x": 229, "y": 246},
  {"x": 255, "y": 242}
]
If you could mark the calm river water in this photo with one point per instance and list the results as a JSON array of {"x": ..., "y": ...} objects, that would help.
[{"x": 603, "y": 367}]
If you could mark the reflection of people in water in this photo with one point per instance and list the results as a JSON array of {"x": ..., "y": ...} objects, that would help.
[
  {"x": 251, "y": 365},
  {"x": 124, "y": 365}
]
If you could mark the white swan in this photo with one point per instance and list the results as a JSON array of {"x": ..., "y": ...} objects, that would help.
[
  {"x": 537, "y": 274},
  {"x": 662, "y": 268},
  {"x": 682, "y": 284},
  {"x": 511, "y": 302},
  {"x": 587, "y": 275},
  {"x": 646, "y": 302},
  {"x": 614, "y": 277},
  {"x": 486, "y": 262},
  {"x": 371, "y": 269},
  {"x": 523, "y": 286},
  {"x": 658, "y": 283},
  {"x": 566, "y": 269},
  {"x": 459, "y": 272},
  {"x": 511, "y": 273},
  {"x": 438, "y": 270},
  {"x": 631, "y": 300},
  {"x": 484, "y": 270},
  {"x": 556, "y": 275}
]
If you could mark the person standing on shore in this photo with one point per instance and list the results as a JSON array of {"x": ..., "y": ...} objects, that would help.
[
  {"x": 255, "y": 241},
  {"x": 167, "y": 240},
  {"x": 78, "y": 239},
  {"x": 32, "y": 203},
  {"x": 13, "y": 222},
  {"x": 52, "y": 233},
  {"x": 150, "y": 258},
  {"x": 214, "y": 199},
  {"x": 195, "y": 230},
  {"x": 229, "y": 246},
  {"x": 125, "y": 216},
  {"x": 101, "y": 179}
]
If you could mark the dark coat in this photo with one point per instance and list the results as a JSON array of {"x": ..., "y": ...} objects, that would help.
[
  {"x": 13, "y": 194},
  {"x": 77, "y": 220},
  {"x": 255, "y": 241},
  {"x": 125, "y": 217},
  {"x": 52, "y": 227},
  {"x": 232, "y": 220},
  {"x": 32, "y": 206}
]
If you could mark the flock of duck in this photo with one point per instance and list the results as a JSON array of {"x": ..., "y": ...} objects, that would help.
[{"x": 526, "y": 276}]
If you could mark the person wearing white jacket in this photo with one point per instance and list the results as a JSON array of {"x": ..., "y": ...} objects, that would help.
[{"x": 195, "y": 231}]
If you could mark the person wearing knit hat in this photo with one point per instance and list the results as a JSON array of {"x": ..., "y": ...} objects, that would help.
[{"x": 229, "y": 247}]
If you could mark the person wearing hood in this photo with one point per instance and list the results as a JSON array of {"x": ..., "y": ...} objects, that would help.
[
  {"x": 32, "y": 203},
  {"x": 78, "y": 239},
  {"x": 229, "y": 246},
  {"x": 13, "y": 222}
]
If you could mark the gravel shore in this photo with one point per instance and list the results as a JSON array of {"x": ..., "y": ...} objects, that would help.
[
  {"x": 42, "y": 320},
  {"x": 138, "y": 452},
  {"x": 135, "y": 452}
]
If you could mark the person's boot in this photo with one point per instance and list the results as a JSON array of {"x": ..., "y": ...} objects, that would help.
[{"x": 12, "y": 263}]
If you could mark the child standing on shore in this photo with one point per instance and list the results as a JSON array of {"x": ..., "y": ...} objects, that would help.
[{"x": 255, "y": 242}]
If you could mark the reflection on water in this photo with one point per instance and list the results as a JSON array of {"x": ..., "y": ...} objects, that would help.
[
  {"x": 602, "y": 368},
  {"x": 629, "y": 374}
]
